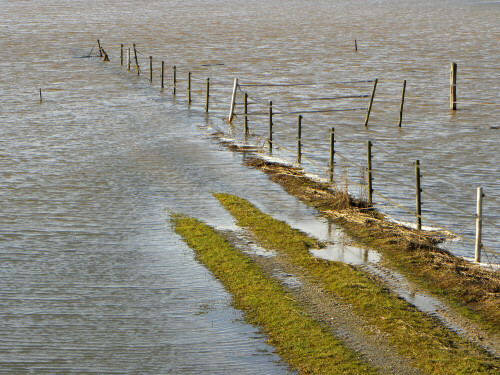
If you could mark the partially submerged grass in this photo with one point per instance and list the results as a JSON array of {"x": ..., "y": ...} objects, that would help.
[
  {"x": 429, "y": 345},
  {"x": 297, "y": 338},
  {"x": 474, "y": 291}
]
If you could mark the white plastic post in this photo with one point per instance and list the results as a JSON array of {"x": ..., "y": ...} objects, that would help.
[
  {"x": 233, "y": 101},
  {"x": 479, "y": 224}
]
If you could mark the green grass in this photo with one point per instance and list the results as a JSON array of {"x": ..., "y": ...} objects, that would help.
[
  {"x": 430, "y": 346},
  {"x": 471, "y": 290},
  {"x": 297, "y": 338}
]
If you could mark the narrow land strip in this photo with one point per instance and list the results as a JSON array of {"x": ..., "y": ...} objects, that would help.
[
  {"x": 300, "y": 340},
  {"x": 471, "y": 290},
  {"x": 324, "y": 307},
  {"x": 429, "y": 345}
]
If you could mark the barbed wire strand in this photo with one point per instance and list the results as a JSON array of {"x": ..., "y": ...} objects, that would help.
[{"x": 301, "y": 84}]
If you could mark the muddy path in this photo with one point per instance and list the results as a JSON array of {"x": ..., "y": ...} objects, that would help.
[{"x": 330, "y": 311}]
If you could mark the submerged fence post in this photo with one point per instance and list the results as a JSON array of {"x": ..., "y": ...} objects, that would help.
[
  {"x": 128, "y": 59},
  {"x": 332, "y": 152},
  {"x": 208, "y": 95},
  {"x": 453, "y": 86},
  {"x": 418, "y": 195},
  {"x": 233, "y": 100},
  {"x": 402, "y": 103},
  {"x": 479, "y": 224},
  {"x": 40, "y": 93},
  {"x": 270, "y": 136},
  {"x": 162, "y": 74},
  {"x": 121, "y": 54},
  {"x": 189, "y": 88},
  {"x": 355, "y": 44},
  {"x": 174, "y": 80},
  {"x": 299, "y": 140},
  {"x": 100, "y": 49},
  {"x": 369, "y": 174},
  {"x": 151, "y": 69},
  {"x": 245, "y": 114},
  {"x": 371, "y": 101},
  {"x": 136, "y": 61},
  {"x": 105, "y": 56}
]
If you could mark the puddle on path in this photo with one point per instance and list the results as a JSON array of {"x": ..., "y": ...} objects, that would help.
[{"x": 288, "y": 279}]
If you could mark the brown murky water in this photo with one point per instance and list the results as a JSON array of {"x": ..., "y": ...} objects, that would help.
[{"x": 93, "y": 280}]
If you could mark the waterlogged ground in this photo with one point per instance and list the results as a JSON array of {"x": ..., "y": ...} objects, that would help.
[{"x": 93, "y": 279}]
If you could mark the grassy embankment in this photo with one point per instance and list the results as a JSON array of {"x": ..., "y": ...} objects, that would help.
[
  {"x": 297, "y": 338},
  {"x": 431, "y": 347},
  {"x": 472, "y": 290}
]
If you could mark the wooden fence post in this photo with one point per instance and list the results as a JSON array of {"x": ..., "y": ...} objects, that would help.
[
  {"x": 100, "y": 49},
  {"x": 40, "y": 93},
  {"x": 402, "y": 103},
  {"x": 128, "y": 59},
  {"x": 369, "y": 172},
  {"x": 233, "y": 100},
  {"x": 208, "y": 95},
  {"x": 418, "y": 195},
  {"x": 121, "y": 54},
  {"x": 355, "y": 44},
  {"x": 174, "y": 80},
  {"x": 371, "y": 101},
  {"x": 105, "y": 56},
  {"x": 453, "y": 86},
  {"x": 136, "y": 61},
  {"x": 162, "y": 74},
  {"x": 299, "y": 140},
  {"x": 479, "y": 224},
  {"x": 332, "y": 152},
  {"x": 270, "y": 136},
  {"x": 245, "y": 114},
  {"x": 150, "y": 69},
  {"x": 189, "y": 88}
]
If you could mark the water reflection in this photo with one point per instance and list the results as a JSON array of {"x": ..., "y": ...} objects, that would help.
[{"x": 92, "y": 277}]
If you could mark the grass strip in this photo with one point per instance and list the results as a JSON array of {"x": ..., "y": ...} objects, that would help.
[
  {"x": 297, "y": 338},
  {"x": 471, "y": 290},
  {"x": 430, "y": 346}
]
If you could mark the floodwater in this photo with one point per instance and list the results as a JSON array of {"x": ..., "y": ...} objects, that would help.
[{"x": 92, "y": 277}]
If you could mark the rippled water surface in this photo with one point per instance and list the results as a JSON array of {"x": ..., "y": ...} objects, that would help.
[{"x": 92, "y": 277}]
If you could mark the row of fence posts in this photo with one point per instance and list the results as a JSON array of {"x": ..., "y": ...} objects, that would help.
[
  {"x": 369, "y": 169},
  {"x": 369, "y": 156},
  {"x": 162, "y": 75}
]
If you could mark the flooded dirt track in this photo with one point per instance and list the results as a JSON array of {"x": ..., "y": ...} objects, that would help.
[{"x": 92, "y": 278}]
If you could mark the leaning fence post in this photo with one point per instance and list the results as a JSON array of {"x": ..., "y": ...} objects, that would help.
[
  {"x": 479, "y": 224},
  {"x": 189, "y": 88},
  {"x": 121, "y": 54},
  {"x": 418, "y": 195},
  {"x": 371, "y": 101},
  {"x": 162, "y": 73},
  {"x": 136, "y": 61},
  {"x": 332, "y": 152},
  {"x": 245, "y": 114},
  {"x": 151, "y": 69},
  {"x": 208, "y": 95},
  {"x": 233, "y": 100},
  {"x": 270, "y": 137},
  {"x": 369, "y": 172},
  {"x": 402, "y": 103},
  {"x": 453, "y": 86},
  {"x": 100, "y": 49},
  {"x": 299, "y": 140}
]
